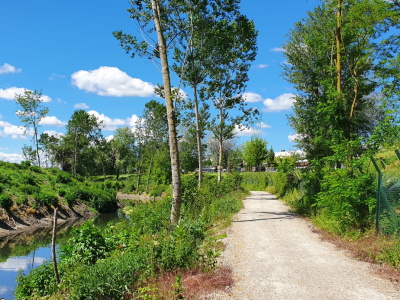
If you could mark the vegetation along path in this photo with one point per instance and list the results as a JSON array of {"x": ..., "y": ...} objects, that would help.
[{"x": 275, "y": 255}]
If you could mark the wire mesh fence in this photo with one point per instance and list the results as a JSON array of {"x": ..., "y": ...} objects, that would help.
[
  {"x": 389, "y": 214},
  {"x": 388, "y": 201}
]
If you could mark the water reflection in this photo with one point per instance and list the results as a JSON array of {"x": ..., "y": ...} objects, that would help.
[{"x": 25, "y": 251}]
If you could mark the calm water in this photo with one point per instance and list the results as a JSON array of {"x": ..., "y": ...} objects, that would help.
[{"x": 26, "y": 251}]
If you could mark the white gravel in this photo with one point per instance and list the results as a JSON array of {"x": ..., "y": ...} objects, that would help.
[{"x": 275, "y": 255}]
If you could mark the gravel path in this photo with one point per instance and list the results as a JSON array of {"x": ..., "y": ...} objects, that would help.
[{"x": 275, "y": 255}]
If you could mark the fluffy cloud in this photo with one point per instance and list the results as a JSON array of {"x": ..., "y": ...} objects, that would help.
[
  {"x": 17, "y": 132},
  {"x": 54, "y": 133},
  {"x": 111, "y": 81},
  {"x": 278, "y": 49},
  {"x": 252, "y": 97},
  {"x": 109, "y": 124},
  {"x": 250, "y": 131},
  {"x": 81, "y": 106},
  {"x": 6, "y": 68},
  {"x": 261, "y": 66},
  {"x": 13, "y": 157},
  {"x": 52, "y": 121},
  {"x": 132, "y": 121},
  {"x": 293, "y": 138},
  {"x": 9, "y": 94},
  {"x": 15, "y": 263},
  {"x": 282, "y": 102}
]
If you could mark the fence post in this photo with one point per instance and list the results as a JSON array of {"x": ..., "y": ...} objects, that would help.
[
  {"x": 397, "y": 153},
  {"x": 378, "y": 195}
]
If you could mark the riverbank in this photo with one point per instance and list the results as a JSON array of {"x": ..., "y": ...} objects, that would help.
[{"x": 17, "y": 221}]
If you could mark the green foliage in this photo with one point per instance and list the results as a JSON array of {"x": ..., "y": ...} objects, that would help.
[
  {"x": 255, "y": 151},
  {"x": 5, "y": 201},
  {"x": 64, "y": 177},
  {"x": 46, "y": 198},
  {"x": 40, "y": 282},
  {"x": 86, "y": 246},
  {"x": 98, "y": 264}
]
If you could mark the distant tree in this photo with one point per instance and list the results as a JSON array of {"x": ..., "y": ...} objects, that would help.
[
  {"x": 49, "y": 145},
  {"x": 270, "y": 157},
  {"x": 255, "y": 151},
  {"x": 123, "y": 149},
  {"x": 83, "y": 130},
  {"x": 30, "y": 113},
  {"x": 29, "y": 154}
]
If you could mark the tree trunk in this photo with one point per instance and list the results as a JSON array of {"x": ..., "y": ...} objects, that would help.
[
  {"x": 173, "y": 141},
  {"x": 53, "y": 246},
  {"x": 36, "y": 144},
  {"x": 338, "y": 37},
  {"x": 149, "y": 173},
  {"x": 198, "y": 135},
  {"x": 220, "y": 140}
]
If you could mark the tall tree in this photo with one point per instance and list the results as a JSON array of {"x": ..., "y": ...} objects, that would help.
[
  {"x": 234, "y": 52},
  {"x": 331, "y": 70},
  {"x": 30, "y": 113},
  {"x": 160, "y": 25}
]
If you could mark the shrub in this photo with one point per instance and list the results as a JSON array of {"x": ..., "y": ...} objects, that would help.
[
  {"x": 86, "y": 246},
  {"x": 46, "y": 198},
  {"x": 29, "y": 189},
  {"x": 4, "y": 178},
  {"x": 39, "y": 282},
  {"x": 5, "y": 201},
  {"x": 29, "y": 179},
  {"x": 63, "y": 177}
]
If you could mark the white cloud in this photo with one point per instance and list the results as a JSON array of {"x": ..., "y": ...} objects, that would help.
[
  {"x": 261, "y": 66},
  {"x": 6, "y": 68},
  {"x": 4, "y": 124},
  {"x": 110, "y": 124},
  {"x": 52, "y": 121},
  {"x": 263, "y": 125},
  {"x": 111, "y": 81},
  {"x": 17, "y": 132},
  {"x": 54, "y": 133},
  {"x": 81, "y": 106},
  {"x": 13, "y": 157},
  {"x": 293, "y": 138},
  {"x": 10, "y": 93},
  {"x": 109, "y": 138},
  {"x": 278, "y": 49},
  {"x": 252, "y": 97},
  {"x": 132, "y": 121},
  {"x": 15, "y": 263},
  {"x": 282, "y": 102}
]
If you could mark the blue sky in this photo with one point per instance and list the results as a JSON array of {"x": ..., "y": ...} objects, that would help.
[{"x": 67, "y": 50}]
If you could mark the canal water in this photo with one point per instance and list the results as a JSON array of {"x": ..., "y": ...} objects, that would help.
[{"x": 27, "y": 250}]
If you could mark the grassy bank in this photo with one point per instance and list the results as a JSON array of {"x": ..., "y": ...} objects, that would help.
[{"x": 128, "y": 259}]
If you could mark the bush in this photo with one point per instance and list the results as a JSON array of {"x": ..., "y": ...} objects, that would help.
[
  {"x": 5, "y": 201},
  {"x": 39, "y": 282},
  {"x": 86, "y": 246},
  {"x": 63, "y": 177},
  {"x": 46, "y": 198},
  {"x": 29, "y": 179},
  {"x": 29, "y": 189}
]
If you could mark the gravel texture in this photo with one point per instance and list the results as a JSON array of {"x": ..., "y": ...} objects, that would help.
[{"x": 275, "y": 255}]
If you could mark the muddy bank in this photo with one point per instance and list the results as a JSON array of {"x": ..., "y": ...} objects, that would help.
[{"x": 27, "y": 219}]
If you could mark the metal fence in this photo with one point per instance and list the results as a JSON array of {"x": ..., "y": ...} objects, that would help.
[{"x": 388, "y": 201}]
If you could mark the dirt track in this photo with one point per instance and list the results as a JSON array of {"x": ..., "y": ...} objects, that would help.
[{"x": 275, "y": 255}]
